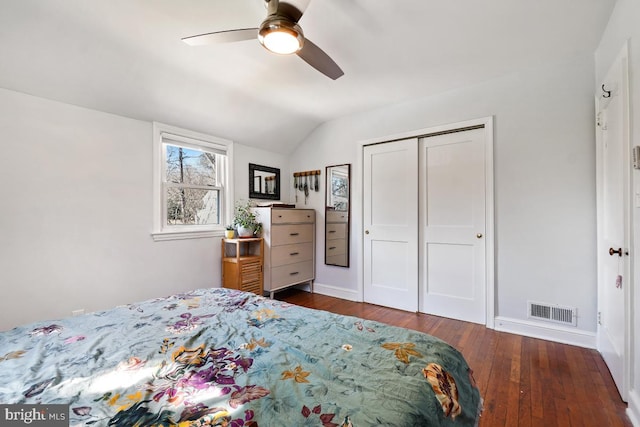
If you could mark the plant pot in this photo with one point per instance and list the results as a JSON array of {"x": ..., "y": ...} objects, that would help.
[
  {"x": 245, "y": 232},
  {"x": 229, "y": 234}
]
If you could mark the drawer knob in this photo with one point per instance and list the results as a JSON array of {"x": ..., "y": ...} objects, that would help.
[
  {"x": 294, "y": 273},
  {"x": 294, "y": 253},
  {"x": 332, "y": 231},
  {"x": 293, "y": 234},
  {"x": 332, "y": 248}
]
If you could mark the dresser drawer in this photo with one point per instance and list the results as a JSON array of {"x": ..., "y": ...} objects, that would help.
[
  {"x": 336, "y": 246},
  {"x": 288, "y": 234},
  {"x": 292, "y": 273},
  {"x": 283, "y": 216},
  {"x": 290, "y": 254},
  {"x": 336, "y": 231},
  {"x": 337, "y": 216},
  {"x": 340, "y": 260}
]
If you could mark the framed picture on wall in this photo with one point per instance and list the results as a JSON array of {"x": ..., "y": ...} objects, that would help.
[{"x": 264, "y": 182}]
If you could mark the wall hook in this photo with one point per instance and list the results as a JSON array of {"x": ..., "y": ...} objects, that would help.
[{"x": 607, "y": 93}]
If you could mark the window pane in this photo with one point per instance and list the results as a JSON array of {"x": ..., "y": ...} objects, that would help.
[
  {"x": 189, "y": 206},
  {"x": 190, "y": 166}
]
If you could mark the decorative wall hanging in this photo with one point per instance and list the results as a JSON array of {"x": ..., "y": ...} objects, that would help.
[
  {"x": 264, "y": 182},
  {"x": 305, "y": 182}
]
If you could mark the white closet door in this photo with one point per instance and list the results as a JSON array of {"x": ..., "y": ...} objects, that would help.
[
  {"x": 452, "y": 223},
  {"x": 614, "y": 274},
  {"x": 390, "y": 224}
]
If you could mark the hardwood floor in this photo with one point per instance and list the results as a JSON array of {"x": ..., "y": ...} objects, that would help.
[{"x": 524, "y": 381}]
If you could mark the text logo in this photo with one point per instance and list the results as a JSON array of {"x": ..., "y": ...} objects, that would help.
[{"x": 34, "y": 415}]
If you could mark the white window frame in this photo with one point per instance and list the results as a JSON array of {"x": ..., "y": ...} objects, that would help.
[{"x": 187, "y": 138}]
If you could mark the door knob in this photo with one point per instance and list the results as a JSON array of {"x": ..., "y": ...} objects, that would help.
[
  {"x": 366, "y": 231},
  {"x": 479, "y": 235},
  {"x": 613, "y": 251}
]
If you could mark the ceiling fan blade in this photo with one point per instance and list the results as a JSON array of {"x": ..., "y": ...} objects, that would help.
[
  {"x": 227, "y": 36},
  {"x": 292, "y": 11},
  {"x": 319, "y": 60}
]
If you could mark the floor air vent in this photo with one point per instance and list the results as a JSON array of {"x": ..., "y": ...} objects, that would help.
[{"x": 553, "y": 313}]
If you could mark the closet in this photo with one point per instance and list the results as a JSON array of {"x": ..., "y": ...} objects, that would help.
[{"x": 427, "y": 222}]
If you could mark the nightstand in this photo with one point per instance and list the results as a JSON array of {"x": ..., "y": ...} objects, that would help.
[{"x": 242, "y": 264}]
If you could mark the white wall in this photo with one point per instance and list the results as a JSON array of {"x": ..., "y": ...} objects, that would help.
[
  {"x": 76, "y": 213},
  {"x": 544, "y": 180},
  {"x": 317, "y": 152},
  {"x": 623, "y": 26}
]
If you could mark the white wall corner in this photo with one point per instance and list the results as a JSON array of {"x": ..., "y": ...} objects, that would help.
[
  {"x": 633, "y": 408},
  {"x": 337, "y": 292},
  {"x": 548, "y": 332}
]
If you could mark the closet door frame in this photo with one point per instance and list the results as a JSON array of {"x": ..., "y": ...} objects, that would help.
[{"x": 487, "y": 124}]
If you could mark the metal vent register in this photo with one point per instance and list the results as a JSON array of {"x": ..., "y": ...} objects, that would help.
[{"x": 553, "y": 313}]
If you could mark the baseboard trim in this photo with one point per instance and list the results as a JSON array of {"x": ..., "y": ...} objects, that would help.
[
  {"x": 336, "y": 292},
  {"x": 633, "y": 408},
  {"x": 546, "y": 332}
]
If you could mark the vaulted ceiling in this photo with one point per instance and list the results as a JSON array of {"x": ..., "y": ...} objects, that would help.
[{"x": 126, "y": 57}]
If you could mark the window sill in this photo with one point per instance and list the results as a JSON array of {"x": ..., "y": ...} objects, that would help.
[{"x": 161, "y": 236}]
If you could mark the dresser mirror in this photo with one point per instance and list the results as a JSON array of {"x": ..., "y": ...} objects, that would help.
[
  {"x": 264, "y": 182},
  {"x": 337, "y": 212}
]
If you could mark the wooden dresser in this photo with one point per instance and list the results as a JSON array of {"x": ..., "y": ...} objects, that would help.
[
  {"x": 242, "y": 264},
  {"x": 289, "y": 246},
  {"x": 336, "y": 250}
]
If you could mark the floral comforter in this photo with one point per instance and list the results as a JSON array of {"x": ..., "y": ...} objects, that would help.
[{"x": 218, "y": 357}]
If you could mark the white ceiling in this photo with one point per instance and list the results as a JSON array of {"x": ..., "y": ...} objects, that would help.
[{"x": 126, "y": 57}]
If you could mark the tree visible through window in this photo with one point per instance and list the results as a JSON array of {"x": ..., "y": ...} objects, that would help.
[
  {"x": 191, "y": 189},
  {"x": 193, "y": 186}
]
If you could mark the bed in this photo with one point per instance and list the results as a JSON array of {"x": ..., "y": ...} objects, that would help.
[{"x": 220, "y": 357}]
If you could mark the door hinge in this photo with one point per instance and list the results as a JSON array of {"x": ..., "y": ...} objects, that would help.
[{"x": 599, "y": 318}]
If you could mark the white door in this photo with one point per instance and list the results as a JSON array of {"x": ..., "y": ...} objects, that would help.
[
  {"x": 390, "y": 223},
  {"x": 614, "y": 278},
  {"x": 452, "y": 224}
]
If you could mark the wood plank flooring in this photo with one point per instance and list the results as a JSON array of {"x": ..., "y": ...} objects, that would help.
[{"x": 524, "y": 381}]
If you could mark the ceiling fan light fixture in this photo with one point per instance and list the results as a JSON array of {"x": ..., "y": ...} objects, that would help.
[{"x": 281, "y": 36}]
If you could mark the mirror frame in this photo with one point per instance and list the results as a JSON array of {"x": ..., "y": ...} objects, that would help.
[
  {"x": 253, "y": 194},
  {"x": 328, "y": 209}
]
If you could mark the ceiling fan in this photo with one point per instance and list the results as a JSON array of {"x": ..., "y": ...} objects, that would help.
[{"x": 278, "y": 33}]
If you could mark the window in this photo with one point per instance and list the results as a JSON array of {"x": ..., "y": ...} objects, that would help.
[{"x": 191, "y": 183}]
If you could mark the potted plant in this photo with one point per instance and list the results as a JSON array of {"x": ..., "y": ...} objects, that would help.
[
  {"x": 257, "y": 229},
  {"x": 230, "y": 232},
  {"x": 245, "y": 219}
]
